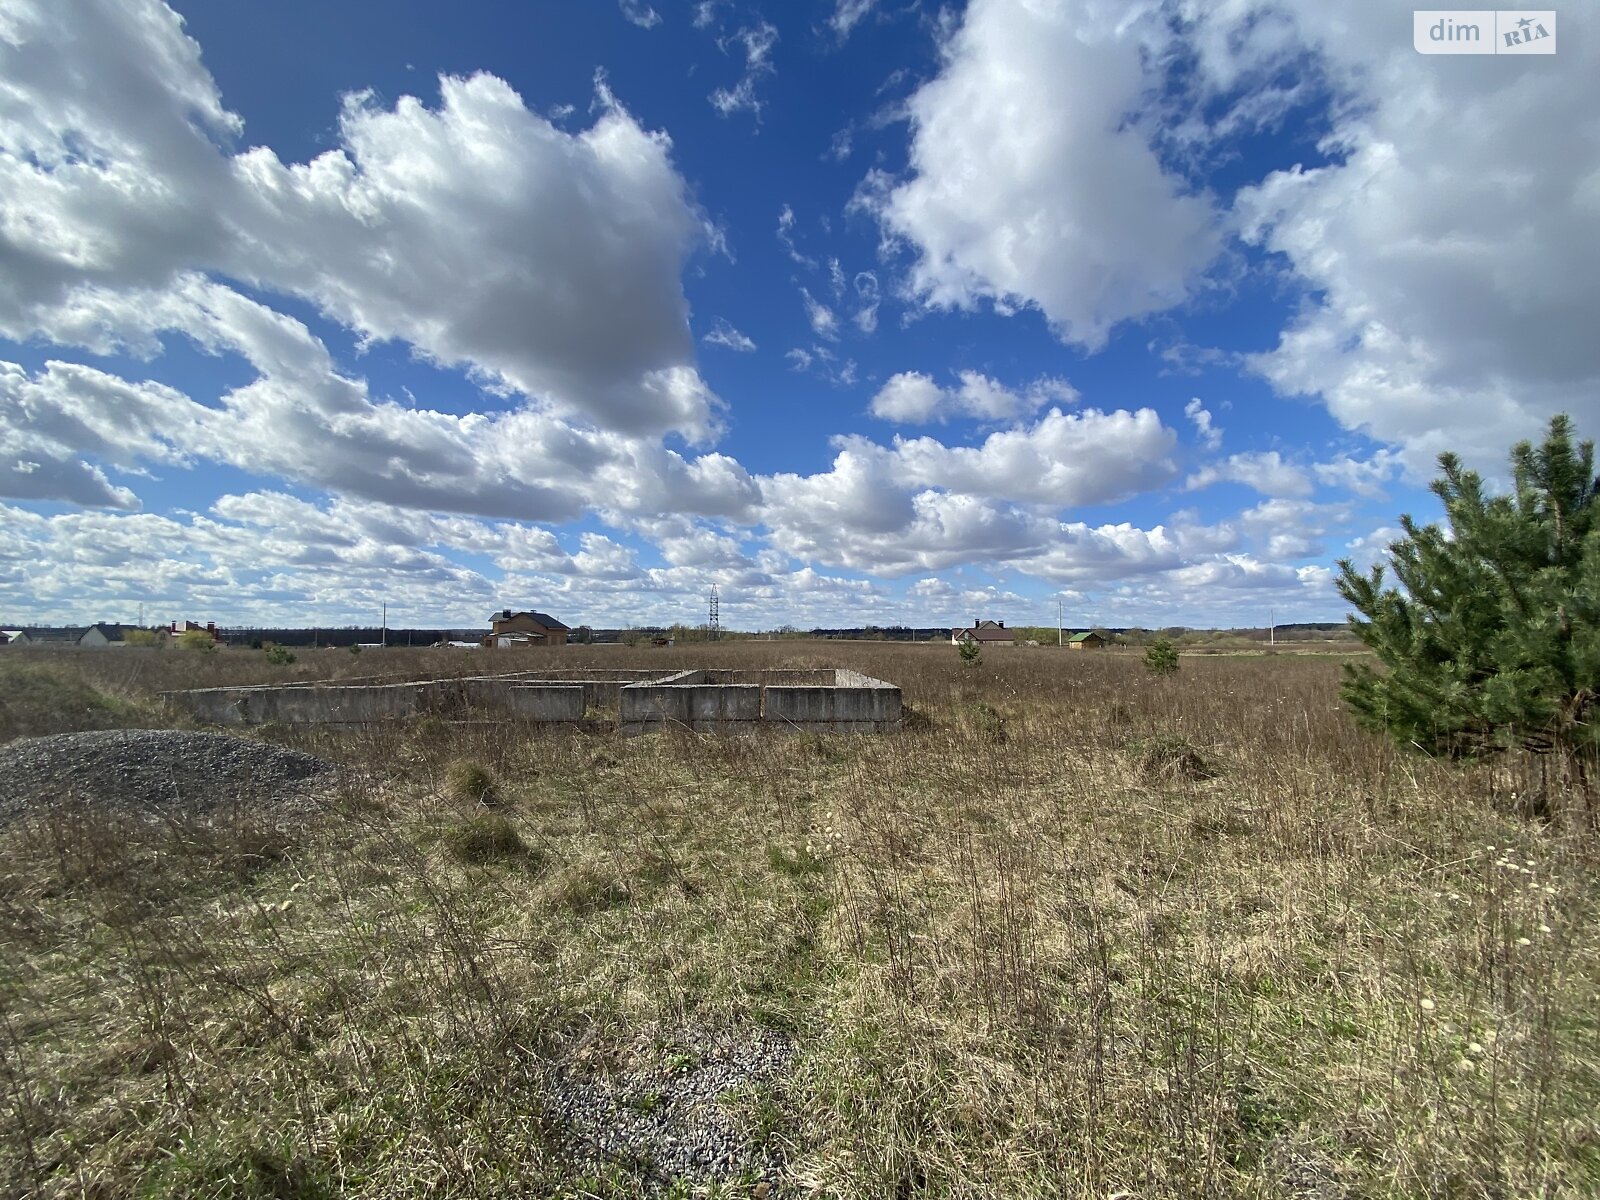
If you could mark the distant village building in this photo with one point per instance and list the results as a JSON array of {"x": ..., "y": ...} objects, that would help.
[
  {"x": 178, "y": 628},
  {"x": 985, "y": 632},
  {"x": 1085, "y": 641},
  {"x": 106, "y": 633},
  {"x": 46, "y": 635},
  {"x": 509, "y": 629}
]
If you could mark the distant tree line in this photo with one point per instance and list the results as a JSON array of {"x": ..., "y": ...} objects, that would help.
[
  {"x": 352, "y": 635},
  {"x": 684, "y": 634}
]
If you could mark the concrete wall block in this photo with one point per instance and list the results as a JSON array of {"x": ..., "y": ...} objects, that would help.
[
  {"x": 546, "y": 702},
  {"x": 654, "y": 704},
  {"x": 597, "y": 693},
  {"x": 799, "y": 705},
  {"x": 867, "y": 704},
  {"x": 328, "y": 705},
  {"x": 833, "y": 705},
  {"x": 220, "y": 706},
  {"x": 730, "y": 702},
  {"x": 828, "y": 701},
  {"x": 475, "y": 691}
]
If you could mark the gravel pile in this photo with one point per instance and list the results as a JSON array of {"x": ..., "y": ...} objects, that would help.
[
  {"x": 158, "y": 772},
  {"x": 665, "y": 1120}
]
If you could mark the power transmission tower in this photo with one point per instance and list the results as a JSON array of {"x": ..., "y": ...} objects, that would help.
[{"x": 713, "y": 616}]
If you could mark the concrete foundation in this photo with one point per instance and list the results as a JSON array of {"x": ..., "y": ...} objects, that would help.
[
  {"x": 821, "y": 701},
  {"x": 701, "y": 701},
  {"x": 335, "y": 704}
]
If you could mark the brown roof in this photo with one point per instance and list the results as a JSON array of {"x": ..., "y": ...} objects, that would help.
[
  {"x": 987, "y": 631},
  {"x": 991, "y": 635},
  {"x": 544, "y": 619}
]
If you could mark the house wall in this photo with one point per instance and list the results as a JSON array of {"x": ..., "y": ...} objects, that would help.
[{"x": 522, "y": 623}]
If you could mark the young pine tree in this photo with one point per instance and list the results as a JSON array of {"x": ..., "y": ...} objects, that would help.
[
  {"x": 1492, "y": 639},
  {"x": 1162, "y": 657}
]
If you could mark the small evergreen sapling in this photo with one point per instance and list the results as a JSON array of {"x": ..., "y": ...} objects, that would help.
[
  {"x": 1492, "y": 638},
  {"x": 1162, "y": 657}
]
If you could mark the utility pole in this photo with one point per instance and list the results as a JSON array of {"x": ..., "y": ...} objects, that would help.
[
  {"x": 1059, "y": 641},
  {"x": 383, "y": 635},
  {"x": 1272, "y": 629}
]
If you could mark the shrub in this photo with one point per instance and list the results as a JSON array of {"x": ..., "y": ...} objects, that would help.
[
  {"x": 470, "y": 782},
  {"x": 988, "y": 722},
  {"x": 198, "y": 640},
  {"x": 279, "y": 656},
  {"x": 141, "y": 637},
  {"x": 486, "y": 839},
  {"x": 1162, "y": 657},
  {"x": 971, "y": 653},
  {"x": 1168, "y": 756}
]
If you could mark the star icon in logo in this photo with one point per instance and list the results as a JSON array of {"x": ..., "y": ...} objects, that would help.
[{"x": 1524, "y": 23}]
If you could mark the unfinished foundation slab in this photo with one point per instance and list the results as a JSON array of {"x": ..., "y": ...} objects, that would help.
[
  {"x": 826, "y": 700},
  {"x": 334, "y": 704},
  {"x": 703, "y": 708}
]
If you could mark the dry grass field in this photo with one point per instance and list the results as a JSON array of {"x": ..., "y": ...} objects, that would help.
[{"x": 1077, "y": 931}]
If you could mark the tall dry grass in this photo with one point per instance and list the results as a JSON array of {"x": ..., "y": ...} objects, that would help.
[{"x": 1077, "y": 931}]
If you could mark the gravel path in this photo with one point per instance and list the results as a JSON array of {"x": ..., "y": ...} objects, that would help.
[
  {"x": 665, "y": 1119},
  {"x": 164, "y": 772}
]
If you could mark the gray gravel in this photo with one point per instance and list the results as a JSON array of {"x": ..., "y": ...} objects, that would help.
[
  {"x": 163, "y": 773},
  {"x": 665, "y": 1120}
]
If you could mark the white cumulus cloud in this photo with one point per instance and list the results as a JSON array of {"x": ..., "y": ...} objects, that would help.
[
  {"x": 912, "y": 397},
  {"x": 118, "y": 172},
  {"x": 1452, "y": 249},
  {"x": 1029, "y": 185},
  {"x": 1268, "y": 472}
]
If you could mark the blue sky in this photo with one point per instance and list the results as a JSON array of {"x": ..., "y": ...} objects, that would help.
[{"x": 864, "y": 311}]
